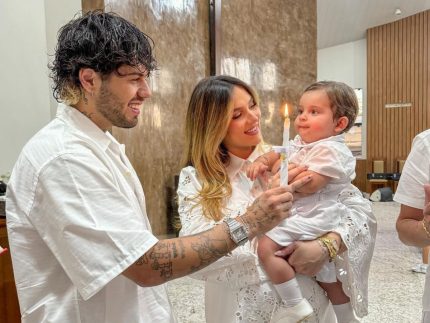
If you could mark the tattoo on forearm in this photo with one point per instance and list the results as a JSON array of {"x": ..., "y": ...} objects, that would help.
[
  {"x": 209, "y": 250},
  {"x": 162, "y": 256}
]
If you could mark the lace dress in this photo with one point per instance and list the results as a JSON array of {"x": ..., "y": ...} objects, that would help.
[{"x": 236, "y": 287}]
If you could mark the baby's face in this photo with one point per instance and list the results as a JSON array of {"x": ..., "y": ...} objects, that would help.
[{"x": 314, "y": 119}]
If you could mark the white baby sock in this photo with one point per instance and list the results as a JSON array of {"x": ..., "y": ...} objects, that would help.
[
  {"x": 289, "y": 292},
  {"x": 345, "y": 313}
]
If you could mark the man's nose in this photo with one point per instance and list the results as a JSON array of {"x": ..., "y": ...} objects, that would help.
[{"x": 144, "y": 90}]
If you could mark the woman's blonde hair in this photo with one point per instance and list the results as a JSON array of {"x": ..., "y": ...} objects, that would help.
[{"x": 208, "y": 117}]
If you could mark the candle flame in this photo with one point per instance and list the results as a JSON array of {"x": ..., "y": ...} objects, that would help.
[{"x": 286, "y": 113}]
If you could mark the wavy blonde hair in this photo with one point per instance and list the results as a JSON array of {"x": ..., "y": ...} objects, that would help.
[{"x": 210, "y": 111}]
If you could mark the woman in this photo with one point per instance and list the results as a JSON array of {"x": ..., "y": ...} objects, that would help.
[{"x": 222, "y": 138}]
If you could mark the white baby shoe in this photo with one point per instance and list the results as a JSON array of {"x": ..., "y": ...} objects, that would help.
[{"x": 294, "y": 314}]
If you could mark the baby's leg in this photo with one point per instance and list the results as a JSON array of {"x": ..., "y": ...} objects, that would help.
[
  {"x": 335, "y": 292},
  {"x": 294, "y": 307},
  {"x": 341, "y": 302},
  {"x": 278, "y": 270}
]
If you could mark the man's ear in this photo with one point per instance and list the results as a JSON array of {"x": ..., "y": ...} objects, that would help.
[
  {"x": 342, "y": 123},
  {"x": 89, "y": 79}
]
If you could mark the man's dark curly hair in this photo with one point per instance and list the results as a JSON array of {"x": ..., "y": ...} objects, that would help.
[{"x": 101, "y": 41}]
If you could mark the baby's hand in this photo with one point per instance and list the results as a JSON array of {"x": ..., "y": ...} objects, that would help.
[{"x": 257, "y": 168}]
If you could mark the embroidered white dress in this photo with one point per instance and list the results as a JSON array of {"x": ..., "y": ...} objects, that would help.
[
  {"x": 317, "y": 214},
  {"x": 236, "y": 287}
]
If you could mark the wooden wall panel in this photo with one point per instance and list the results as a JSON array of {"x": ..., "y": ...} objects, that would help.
[{"x": 398, "y": 72}]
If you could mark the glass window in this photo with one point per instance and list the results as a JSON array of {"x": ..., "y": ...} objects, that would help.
[{"x": 355, "y": 136}]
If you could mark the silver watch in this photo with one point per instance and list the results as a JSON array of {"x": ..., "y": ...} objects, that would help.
[{"x": 238, "y": 232}]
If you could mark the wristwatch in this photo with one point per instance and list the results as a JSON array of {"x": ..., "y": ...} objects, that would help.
[{"x": 238, "y": 232}]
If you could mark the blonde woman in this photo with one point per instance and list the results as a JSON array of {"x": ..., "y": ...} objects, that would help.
[{"x": 223, "y": 137}]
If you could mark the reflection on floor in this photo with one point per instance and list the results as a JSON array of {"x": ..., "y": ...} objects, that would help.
[{"x": 394, "y": 291}]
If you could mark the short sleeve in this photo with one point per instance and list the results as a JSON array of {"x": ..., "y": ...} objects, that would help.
[
  {"x": 91, "y": 227},
  {"x": 331, "y": 159},
  {"x": 415, "y": 174}
]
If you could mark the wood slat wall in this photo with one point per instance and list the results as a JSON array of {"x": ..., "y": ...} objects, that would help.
[{"x": 398, "y": 72}]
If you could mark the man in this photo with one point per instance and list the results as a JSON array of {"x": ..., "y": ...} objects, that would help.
[
  {"x": 413, "y": 193},
  {"x": 80, "y": 239}
]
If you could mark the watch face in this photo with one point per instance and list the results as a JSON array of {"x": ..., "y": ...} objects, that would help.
[{"x": 240, "y": 234}]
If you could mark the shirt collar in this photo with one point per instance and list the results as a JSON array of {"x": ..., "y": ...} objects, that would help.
[
  {"x": 79, "y": 121},
  {"x": 236, "y": 164},
  {"x": 298, "y": 142}
]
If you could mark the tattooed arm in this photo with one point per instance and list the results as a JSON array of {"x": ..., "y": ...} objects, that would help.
[{"x": 173, "y": 258}]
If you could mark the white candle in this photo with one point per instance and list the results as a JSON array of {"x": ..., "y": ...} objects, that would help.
[
  {"x": 286, "y": 136},
  {"x": 285, "y": 144}
]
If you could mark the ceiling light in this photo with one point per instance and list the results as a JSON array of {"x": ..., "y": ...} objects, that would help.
[{"x": 398, "y": 12}]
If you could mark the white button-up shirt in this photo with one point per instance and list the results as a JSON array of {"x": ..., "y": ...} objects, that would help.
[{"x": 76, "y": 220}]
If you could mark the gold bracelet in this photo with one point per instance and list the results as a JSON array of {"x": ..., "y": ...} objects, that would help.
[
  {"x": 423, "y": 222},
  {"x": 323, "y": 247},
  {"x": 331, "y": 246}
]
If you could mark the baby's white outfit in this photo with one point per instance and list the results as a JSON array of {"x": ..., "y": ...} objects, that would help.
[{"x": 314, "y": 215}]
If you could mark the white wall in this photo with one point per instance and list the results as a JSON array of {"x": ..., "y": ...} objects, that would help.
[
  {"x": 346, "y": 63},
  {"x": 24, "y": 84},
  {"x": 57, "y": 14}
]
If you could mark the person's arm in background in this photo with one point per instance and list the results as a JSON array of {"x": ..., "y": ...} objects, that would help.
[{"x": 412, "y": 223}]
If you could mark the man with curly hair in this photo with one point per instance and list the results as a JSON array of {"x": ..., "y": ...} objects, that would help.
[{"x": 80, "y": 239}]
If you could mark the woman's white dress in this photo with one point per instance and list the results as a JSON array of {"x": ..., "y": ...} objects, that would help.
[{"x": 236, "y": 287}]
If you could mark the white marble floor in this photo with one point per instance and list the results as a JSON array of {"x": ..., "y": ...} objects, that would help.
[{"x": 394, "y": 291}]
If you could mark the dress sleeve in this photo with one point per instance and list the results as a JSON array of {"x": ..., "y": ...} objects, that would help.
[
  {"x": 358, "y": 232},
  {"x": 237, "y": 268}
]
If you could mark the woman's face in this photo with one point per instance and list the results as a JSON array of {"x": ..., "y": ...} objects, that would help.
[{"x": 243, "y": 132}]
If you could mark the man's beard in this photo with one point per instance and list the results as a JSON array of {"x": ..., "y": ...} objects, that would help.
[{"x": 111, "y": 108}]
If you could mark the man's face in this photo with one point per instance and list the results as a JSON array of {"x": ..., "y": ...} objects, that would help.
[{"x": 121, "y": 96}]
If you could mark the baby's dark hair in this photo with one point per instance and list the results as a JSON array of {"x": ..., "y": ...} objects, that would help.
[
  {"x": 101, "y": 41},
  {"x": 342, "y": 98}
]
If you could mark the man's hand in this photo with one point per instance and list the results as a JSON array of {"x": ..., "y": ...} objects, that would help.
[{"x": 270, "y": 208}]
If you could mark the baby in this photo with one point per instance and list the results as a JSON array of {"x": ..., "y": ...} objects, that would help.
[{"x": 326, "y": 110}]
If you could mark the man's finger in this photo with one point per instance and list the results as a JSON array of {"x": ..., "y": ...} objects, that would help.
[
  {"x": 292, "y": 173},
  {"x": 301, "y": 182}
]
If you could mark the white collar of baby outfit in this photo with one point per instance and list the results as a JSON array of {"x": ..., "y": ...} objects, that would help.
[
  {"x": 236, "y": 164},
  {"x": 298, "y": 142}
]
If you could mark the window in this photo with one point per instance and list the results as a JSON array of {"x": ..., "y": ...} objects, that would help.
[{"x": 355, "y": 136}]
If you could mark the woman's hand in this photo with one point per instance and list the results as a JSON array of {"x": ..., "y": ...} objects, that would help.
[{"x": 306, "y": 257}]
